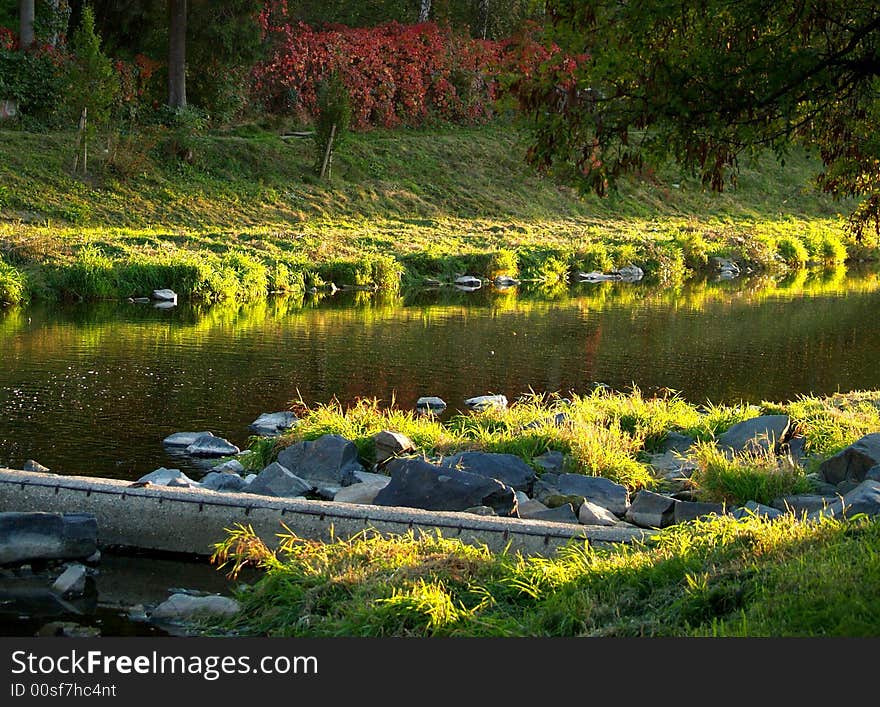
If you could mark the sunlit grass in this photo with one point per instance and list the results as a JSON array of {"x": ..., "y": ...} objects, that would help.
[{"x": 716, "y": 577}]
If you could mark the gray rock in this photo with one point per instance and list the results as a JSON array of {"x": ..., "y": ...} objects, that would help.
[
  {"x": 364, "y": 492},
  {"x": 31, "y": 465},
  {"x": 677, "y": 442},
  {"x": 211, "y": 446},
  {"x": 430, "y": 404},
  {"x": 844, "y": 487},
  {"x": 561, "y": 514},
  {"x": 272, "y": 424},
  {"x": 233, "y": 466},
  {"x": 46, "y": 536},
  {"x": 592, "y": 514},
  {"x": 165, "y": 296},
  {"x": 873, "y": 474},
  {"x": 803, "y": 503},
  {"x": 278, "y": 480},
  {"x": 68, "y": 629},
  {"x": 329, "y": 460},
  {"x": 796, "y": 449},
  {"x": 390, "y": 444},
  {"x": 71, "y": 582},
  {"x": 672, "y": 466},
  {"x": 551, "y": 461},
  {"x": 416, "y": 483},
  {"x": 652, "y": 510},
  {"x": 521, "y": 497},
  {"x": 366, "y": 477},
  {"x": 752, "y": 508},
  {"x": 223, "y": 481},
  {"x": 630, "y": 273},
  {"x": 509, "y": 469},
  {"x": 480, "y": 511},
  {"x": 328, "y": 493},
  {"x": 865, "y": 498},
  {"x": 528, "y": 508},
  {"x": 164, "y": 477},
  {"x": 543, "y": 489},
  {"x": 559, "y": 419},
  {"x": 180, "y": 483},
  {"x": 184, "y": 607},
  {"x": 503, "y": 281},
  {"x": 854, "y": 462},
  {"x": 757, "y": 435},
  {"x": 820, "y": 486},
  {"x": 485, "y": 402},
  {"x": 561, "y": 499},
  {"x": 184, "y": 439},
  {"x": 597, "y": 489},
  {"x": 691, "y": 510}
]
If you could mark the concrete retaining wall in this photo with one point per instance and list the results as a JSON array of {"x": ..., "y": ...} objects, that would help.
[{"x": 192, "y": 520}]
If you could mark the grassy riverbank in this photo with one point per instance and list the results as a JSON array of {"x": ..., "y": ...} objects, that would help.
[
  {"x": 719, "y": 577},
  {"x": 245, "y": 216}
]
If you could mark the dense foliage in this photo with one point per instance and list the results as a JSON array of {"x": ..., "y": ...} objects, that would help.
[{"x": 706, "y": 82}]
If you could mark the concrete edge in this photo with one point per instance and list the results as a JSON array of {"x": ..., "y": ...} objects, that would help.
[{"x": 171, "y": 519}]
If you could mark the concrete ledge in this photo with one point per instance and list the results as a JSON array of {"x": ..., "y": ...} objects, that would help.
[{"x": 187, "y": 520}]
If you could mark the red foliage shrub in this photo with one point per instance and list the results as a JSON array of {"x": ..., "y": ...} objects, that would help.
[{"x": 396, "y": 74}]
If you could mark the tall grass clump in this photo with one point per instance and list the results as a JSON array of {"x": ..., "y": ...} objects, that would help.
[
  {"x": 592, "y": 257},
  {"x": 830, "y": 424},
  {"x": 503, "y": 262},
  {"x": 13, "y": 284},
  {"x": 90, "y": 276},
  {"x": 753, "y": 476},
  {"x": 250, "y": 274}
]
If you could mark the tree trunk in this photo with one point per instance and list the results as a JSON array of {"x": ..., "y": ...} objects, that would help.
[
  {"x": 177, "y": 53},
  {"x": 26, "y": 23},
  {"x": 484, "y": 17},
  {"x": 424, "y": 10}
]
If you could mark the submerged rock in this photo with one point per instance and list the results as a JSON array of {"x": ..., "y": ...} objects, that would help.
[
  {"x": 31, "y": 465},
  {"x": 185, "y": 607},
  {"x": 485, "y": 402},
  {"x": 184, "y": 439},
  {"x": 28, "y": 536}
]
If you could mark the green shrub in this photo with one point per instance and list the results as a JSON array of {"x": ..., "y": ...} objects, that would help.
[
  {"x": 251, "y": 275},
  {"x": 792, "y": 251},
  {"x": 695, "y": 250},
  {"x": 13, "y": 285},
  {"x": 827, "y": 248},
  {"x": 592, "y": 257},
  {"x": 90, "y": 277},
  {"x": 503, "y": 262}
]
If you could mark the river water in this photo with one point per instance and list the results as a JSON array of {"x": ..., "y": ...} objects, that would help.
[{"x": 92, "y": 389}]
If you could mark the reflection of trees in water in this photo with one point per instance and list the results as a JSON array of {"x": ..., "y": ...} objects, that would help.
[{"x": 103, "y": 384}]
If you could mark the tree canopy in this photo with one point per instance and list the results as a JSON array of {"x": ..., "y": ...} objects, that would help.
[{"x": 707, "y": 81}]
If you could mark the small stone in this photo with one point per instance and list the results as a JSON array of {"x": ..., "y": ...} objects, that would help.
[
  {"x": 211, "y": 446},
  {"x": 183, "y": 607},
  {"x": 593, "y": 514},
  {"x": 184, "y": 439},
  {"x": 31, "y": 465},
  {"x": 223, "y": 481},
  {"x": 390, "y": 444},
  {"x": 485, "y": 402},
  {"x": 480, "y": 511},
  {"x": 233, "y": 466},
  {"x": 71, "y": 582},
  {"x": 430, "y": 404},
  {"x": 164, "y": 477}
]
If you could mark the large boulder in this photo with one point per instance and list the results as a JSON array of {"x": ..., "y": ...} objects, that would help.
[
  {"x": 329, "y": 460},
  {"x": 278, "y": 480},
  {"x": 47, "y": 536},
  {"x": 757, "y": 435},
  {"x": 509, "y": 469},
  {"x": 599, "y": 490},
  {"x": 854, "y": 462},
  {"x": 416, "y": 483}
]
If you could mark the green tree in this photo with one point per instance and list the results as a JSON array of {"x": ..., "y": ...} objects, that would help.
[
  {"x": 708, "y": 81},
  {"x": 93, "y": 84}
]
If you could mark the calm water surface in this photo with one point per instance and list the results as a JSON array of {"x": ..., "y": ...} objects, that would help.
[{"x": 93, "y": 389}]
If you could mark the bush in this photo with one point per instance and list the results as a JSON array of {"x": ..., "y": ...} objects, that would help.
[
  {"x": 13, "y": 286},
  {"x": 792, "y": 251},
  {"x": 593, "y": 257}
]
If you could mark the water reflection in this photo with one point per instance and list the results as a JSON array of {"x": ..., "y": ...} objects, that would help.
[{"x": 93, "y": 389}]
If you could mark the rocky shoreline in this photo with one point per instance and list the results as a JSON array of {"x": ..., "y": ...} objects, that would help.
[{"x": 65, "y": 548}]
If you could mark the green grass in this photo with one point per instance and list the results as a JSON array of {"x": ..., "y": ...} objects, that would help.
[
  {"x": 608, "y": 433},
  {"x": 719, "y": 577},
  {"x": 247, "y": 216}
]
